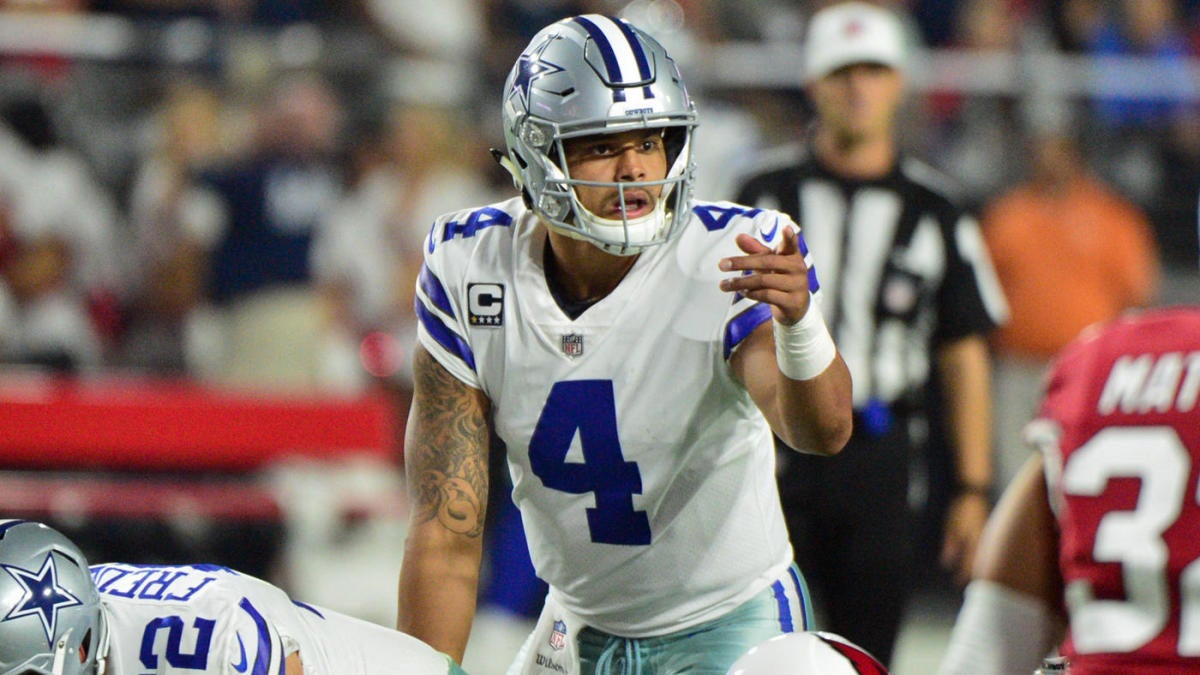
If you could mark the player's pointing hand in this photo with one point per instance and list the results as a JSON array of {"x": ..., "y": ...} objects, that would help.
[{"x": 777, "y": 276}]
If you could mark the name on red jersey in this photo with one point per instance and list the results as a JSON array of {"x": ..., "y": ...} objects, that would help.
[{"x": 1150, "y": 383}]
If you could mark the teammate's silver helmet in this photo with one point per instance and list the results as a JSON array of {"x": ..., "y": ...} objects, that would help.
[
  {"x": 588, "y": 75},
  {"x": 51, "y": 621}
]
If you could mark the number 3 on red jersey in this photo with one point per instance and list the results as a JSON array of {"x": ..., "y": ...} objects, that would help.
[{"x": 1125, "y": 546}]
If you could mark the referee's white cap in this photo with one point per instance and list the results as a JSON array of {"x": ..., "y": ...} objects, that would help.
[{"x": 852, "y": 32}]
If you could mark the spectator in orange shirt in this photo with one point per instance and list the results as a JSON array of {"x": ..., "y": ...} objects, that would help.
[{"x": 1069, "y": 251}]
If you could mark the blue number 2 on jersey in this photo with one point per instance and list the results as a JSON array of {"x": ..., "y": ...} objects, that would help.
[
  {"x": 197, "y": 660},
  {"x": 589, "y": 407}
]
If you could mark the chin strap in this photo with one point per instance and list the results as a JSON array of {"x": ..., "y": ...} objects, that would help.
[
  {"x": 506, "y": 163},
  {"x": 63, "y": 649},
  {"x": 60, "y": 652},
  {"x": 102, "y": 643}
]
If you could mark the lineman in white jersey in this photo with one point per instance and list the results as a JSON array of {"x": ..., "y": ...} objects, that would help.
[
  {"x": 57, "y": 619},
  {"x": 634, "y": 351}
]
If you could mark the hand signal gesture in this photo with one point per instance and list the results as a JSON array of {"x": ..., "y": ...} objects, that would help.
[{"x": 778, "y": 277}]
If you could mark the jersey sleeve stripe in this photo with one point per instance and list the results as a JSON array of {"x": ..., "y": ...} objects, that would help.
[
  {"x": 269, "y": 656},
  {"x": 742, "y": 325},
  {"x": 792, "y": 602},
  {"x": 305, "y": 605},
  {"x": 814, "y": 284},
  {"x": 785, "y": 609},
  {"x": 435, "y": 290},
  {"x": 442, "y": 333}
]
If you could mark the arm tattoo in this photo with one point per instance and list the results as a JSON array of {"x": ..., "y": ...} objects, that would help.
[{"x": 448, "y": 455}]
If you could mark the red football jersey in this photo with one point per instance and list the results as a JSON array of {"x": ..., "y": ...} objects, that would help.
[{"x": 1120, "y": 429}]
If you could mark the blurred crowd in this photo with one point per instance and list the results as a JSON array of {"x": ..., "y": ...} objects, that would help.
[{"x": 238, "y": 190}]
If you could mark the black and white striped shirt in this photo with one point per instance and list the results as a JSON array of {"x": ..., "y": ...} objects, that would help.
[{"x": 903, "y": 269}]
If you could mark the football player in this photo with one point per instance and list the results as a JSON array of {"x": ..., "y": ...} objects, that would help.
[
  {"x": 60, "y": 617},
  {"x": 1095, "y": 546},
  {"x": 634, "y": 351}
]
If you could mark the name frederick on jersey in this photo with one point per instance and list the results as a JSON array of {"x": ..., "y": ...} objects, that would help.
[{"x": 168, "y": 584}]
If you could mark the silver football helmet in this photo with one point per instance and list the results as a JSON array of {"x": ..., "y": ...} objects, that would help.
[
  {"x": 51, "y": 620},
  {"x": 589, "y": 75}
]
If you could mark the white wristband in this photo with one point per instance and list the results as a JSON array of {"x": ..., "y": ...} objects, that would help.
[{"x": 804, "y": 349}]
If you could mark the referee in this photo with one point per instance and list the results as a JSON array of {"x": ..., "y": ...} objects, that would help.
[{"x": 909, "y": 293}]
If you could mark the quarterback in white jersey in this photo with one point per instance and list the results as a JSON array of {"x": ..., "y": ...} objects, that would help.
[
  {"x": 625, "y": 427},
  {"x": 634, "y": 351},
  {"x": 60, "y": 617}
]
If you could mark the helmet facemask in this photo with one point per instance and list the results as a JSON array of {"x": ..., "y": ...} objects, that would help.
[{"x": 562, "y": 210}]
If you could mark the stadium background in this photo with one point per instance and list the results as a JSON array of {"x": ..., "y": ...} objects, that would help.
[{"x": 263, "y": 428}]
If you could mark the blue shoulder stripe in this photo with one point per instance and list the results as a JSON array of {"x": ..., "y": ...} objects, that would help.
[
  {"x": 742, "y": 325},
  {"x": 305, "y": 605},
  {"x": 813, "y": 284},
  {"x": 262, "y": 659},
  {"x": 443, "y": 334},
  {"x": 435, "y": 290}
]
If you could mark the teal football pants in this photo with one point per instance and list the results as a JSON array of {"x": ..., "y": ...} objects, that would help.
[{"x": 709, "y": 648}]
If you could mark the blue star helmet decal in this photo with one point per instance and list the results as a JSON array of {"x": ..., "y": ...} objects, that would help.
[
  {"x": 531, "y": 67},
  {"x": 43, "y": 595}
]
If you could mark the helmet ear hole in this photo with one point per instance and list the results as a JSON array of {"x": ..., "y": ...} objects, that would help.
[{"x": 674, "y": 141}]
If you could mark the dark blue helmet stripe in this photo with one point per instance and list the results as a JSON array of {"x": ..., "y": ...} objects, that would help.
[
  {"x": 607, "y": 53},
  {"x": 8, "y": 525},
  {"x": 639, "y": 55}
]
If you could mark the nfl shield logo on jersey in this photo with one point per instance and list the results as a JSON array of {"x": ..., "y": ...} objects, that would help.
[
  {"x": 572, "y": 345},
  {"x": 558, "y": 638}
]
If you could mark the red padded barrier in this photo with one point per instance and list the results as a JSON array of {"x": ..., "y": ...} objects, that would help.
[{"x": 127, "y": 424}]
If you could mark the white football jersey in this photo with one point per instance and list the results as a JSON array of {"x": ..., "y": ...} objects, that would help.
[
  {"x": 643, "y": 470},
  {"x": 195, "y": 619}
]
